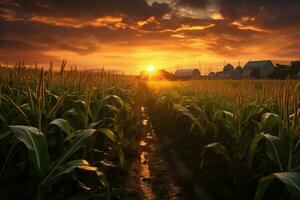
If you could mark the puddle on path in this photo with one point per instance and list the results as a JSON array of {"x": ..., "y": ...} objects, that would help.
[
  {"x": 143, "y": 143},
  {"x": 145, "y": 176},
  {"x": 150, "y": 176}
]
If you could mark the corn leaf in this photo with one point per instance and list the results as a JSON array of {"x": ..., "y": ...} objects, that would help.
[
  {"x": 36, "y": 143},
  {"x": 3, "y": 134},
  {"x": 121, "y": 155},
  {"x": 111, "y": 135},
  {"x": 269, "y": 122},
  {"x": 273, "y": 150},
  {"x": 291, "y": 180},
  {"x": 253, "y": 147},
  {"x": 62, "y": 124},
  {"x": 262, "y": 186},
  {"x": 17, "y": 108},
  {"x": 56, "y": 106},
  {"x": 218, "y": 149},
  {"x": 80, "y": 141},
  {"x": 81, "y": 164}
]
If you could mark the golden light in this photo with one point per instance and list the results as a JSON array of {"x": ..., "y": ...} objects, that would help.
[{"x": 150, "y": 68}]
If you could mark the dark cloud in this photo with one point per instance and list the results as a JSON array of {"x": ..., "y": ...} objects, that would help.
[
  {"x": 270, "y": 14},
  {"x": 175, "y": 23},
  {"x": 13, "y": 51},
  {"x": 86, "y": 9},
  {"x": 293, "y": 46},
  {"x": 193, "y": 3},
  {"x": 36, "y": 36},
  {"x": 11, "y": 45},
  {"x": 26, "y": 36},
  {"x": 30, "y": 28},
  {"x": 226, "y": 40}
]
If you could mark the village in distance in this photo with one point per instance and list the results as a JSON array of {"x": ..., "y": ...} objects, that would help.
[{"x": 263, "y": 69}]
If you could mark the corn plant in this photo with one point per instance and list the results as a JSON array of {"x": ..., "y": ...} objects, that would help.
[
  {"x": 255, "y": 141},
  {"x": 67, "y": 127}
]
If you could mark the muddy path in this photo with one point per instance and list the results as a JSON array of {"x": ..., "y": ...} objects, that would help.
[{"x": 156, "y": 172}]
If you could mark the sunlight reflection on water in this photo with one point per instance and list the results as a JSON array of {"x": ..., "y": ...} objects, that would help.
[
  {"x": 145, "y": 122},
  {"x": 145, "y": 175},
  {"x": 143, "y": 143}
]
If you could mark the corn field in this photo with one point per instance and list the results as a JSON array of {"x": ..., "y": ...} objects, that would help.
[
  {"x": 64, "y": 134},
  {"x": 70, "y": 134},
  {"x": 240, "y": 138}
]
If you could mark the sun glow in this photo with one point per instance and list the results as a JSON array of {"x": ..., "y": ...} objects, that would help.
[{"x": 150, "y": 68}]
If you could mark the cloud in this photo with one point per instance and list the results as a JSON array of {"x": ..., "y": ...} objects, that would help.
[
  {"x": 85, "y": 9},
  {"x": 16, "y": 51},
  {"x": 92, "y": 31},
  {"x": 269, "y": 14},
  {"x": 193, "y": 3}
]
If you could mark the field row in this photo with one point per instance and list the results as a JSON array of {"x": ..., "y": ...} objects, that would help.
[
  {"x": 71, "y": 135},
  {"x": 239, "y": 138}
]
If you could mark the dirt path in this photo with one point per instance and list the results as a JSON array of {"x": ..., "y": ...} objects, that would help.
[
  {"x": 149, "y": 177},
  {"x": 155, "y": 174}
]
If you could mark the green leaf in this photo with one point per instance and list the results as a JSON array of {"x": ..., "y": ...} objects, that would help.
[
  {"x": 8, "y": 157},
  {"x": 247, "y": 111},
  {"x": 253, "y": 147},
  {"x": 296, "y": 162},
  {"x": 262, "y": 186},
  {"x": 3, "y": 120},
  {"x": 17, "y": 108},
  {"x": 62, "y": 124},
  {"x": 72, "y": 135},
  {"x": 112, "y": 109},
  {"x": 186, "y": 112},
  {"x": 222, "y": 115},
  {"x": 269, "y": 122},
  {"x": 111, "y": 135},
  {"x": 226, "y": 119},
  {"x": 36, "y": 143},
  {"x": 81, "y": 164},
  {"x": 95, "y": 124},
  {"x": 121, "y": 155},
  {"x": 219, "y": 149},
  {"x": 273, "y": 150},
  {"x": 3, "y": 134},
  {"x": 114, "y": 98},
  {"x": 72, "y": 111},
  {"x": 55, "y": 108},
  {"x": 80, "y": 141},
  {"x": 291, "y": 180}
]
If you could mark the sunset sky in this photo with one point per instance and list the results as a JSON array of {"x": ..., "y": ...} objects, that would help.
[{"x": 129, "y": 35}]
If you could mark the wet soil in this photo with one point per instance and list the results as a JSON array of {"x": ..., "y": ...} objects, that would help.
[{"x": 157, "y": 173}]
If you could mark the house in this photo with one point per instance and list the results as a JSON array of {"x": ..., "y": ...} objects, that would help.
[
  {"x": 258, "y": 69},
  {"x": 185, "y": 74}
]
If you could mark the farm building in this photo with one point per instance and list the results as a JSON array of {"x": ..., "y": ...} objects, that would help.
[
  {"x": 187, "y": 74},
  {"x": 229, "y": 72},
  {"x": 228, "y": 68},
  {"x": 258, "y": 69}
]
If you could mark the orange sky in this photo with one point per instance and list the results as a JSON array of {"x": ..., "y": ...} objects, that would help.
[{"x": 129, "y": 35}]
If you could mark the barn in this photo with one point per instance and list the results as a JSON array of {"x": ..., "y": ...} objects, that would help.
[
  {"x": 185, "y": 74},
  {"x": 258, "y": 69}
]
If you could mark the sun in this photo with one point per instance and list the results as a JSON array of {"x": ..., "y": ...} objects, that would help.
[{"x": 150, "y": 68}]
